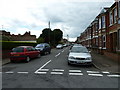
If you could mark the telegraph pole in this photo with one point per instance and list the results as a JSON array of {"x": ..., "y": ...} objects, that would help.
[
  {"x": 2, "y": 27},
  {"x": 67, "y": 39},
  {"x": 49, "y": 31}
]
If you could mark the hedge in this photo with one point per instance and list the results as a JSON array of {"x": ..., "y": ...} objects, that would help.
[{"x": 8, "y": 45}]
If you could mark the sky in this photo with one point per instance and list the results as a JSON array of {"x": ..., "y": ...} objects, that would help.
[{"x": 71, "y": 16}]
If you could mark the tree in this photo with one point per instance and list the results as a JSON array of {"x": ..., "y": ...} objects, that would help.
[
  {"x": 58, "y": 34},
  {"x": 40, "y": 40},
  {"x": 5, "y": 38},
  {"x": 46, "y": 34},
  {"x": 49, "y": 36}
]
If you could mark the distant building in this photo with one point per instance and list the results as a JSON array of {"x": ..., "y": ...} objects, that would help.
[{"x": 25, "y": 37}]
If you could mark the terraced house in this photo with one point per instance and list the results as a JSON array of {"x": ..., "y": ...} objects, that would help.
[{"x": 103, "y": 34}]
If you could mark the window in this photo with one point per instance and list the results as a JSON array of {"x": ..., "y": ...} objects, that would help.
[
  {"x": 111, "y": 18},
  {"x": 18, "y": 50},
  {"x": 103, "y": 21},
  {"x": 104, "y": 41},
  {"x": 119, "y": 39},
  {"x": 99, "y": 23},
  {"x": 96, "y": 41},
  {"x": 119, "y": 8},
  {"x": 115, "y": 15}
]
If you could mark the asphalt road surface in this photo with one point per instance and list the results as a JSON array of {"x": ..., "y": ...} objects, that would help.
[{"x": 52, "y": 71}]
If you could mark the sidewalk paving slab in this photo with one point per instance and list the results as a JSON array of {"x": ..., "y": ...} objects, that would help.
[{"x": 104, "y": 63}]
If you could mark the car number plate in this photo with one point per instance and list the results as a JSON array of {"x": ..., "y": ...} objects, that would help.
[
  {"x": 80, "y": 62},
  {"x": 16, "y": 55}
]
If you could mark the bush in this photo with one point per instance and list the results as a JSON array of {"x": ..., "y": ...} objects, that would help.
[
  {"x": 5, "y": 38},
  {"x": 8, "y": 45}
]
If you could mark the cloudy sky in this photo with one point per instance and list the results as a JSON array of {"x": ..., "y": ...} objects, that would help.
[{"x": 71, "y": 16}]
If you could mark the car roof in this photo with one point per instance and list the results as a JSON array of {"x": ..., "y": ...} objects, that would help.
[
  {"x": 24, "y": 46},
  {"x": 42, "y": 43}
]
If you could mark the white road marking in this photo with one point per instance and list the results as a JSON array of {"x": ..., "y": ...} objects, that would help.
[
  {"x": 63, "y": 50},
  {"x": 75, "y": 73},
  {"x": 113, "y": 76},
  {"x": 56, "y": 73},
  {"x": 23, "y": 72},
  {"x": 93, "y": 72},
  {"x": 41, "y": 73},
  {"x": 9, "y": 72},
  {"x": 57, "y": 55},
  {"x": 42, "y": 66},
  {"x": 74, "y": 70},
  {"x": 105, "y": 72},
  {"x": 96, "y": 75},
  {"x": 60, "y": 70},
  {"x": 44, "y": 70}
]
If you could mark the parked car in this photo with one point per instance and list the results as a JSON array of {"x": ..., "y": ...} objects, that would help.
[
  {"x": 59, "y": 46},
  {"x": 79, "y": 55},
  {"x": 44, "y": 48},
  {"x": 21, "y": 53},
  {"x": 65, "y": 45}
]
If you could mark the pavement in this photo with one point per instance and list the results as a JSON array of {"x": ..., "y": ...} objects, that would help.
[
  {"x": 105, "y": 64},
  {"x": 101, "y": 62}
]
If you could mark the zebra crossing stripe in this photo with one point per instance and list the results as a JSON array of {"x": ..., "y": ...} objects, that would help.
[
  {"x": 44, "y": 70},
  {"x": 9, "y": 72},
  {"x": 40, "y": 72},
  {"x": 105, "y": 72},
  {"x": 114, "y": 76},
  {"x": 93, "y": 72},
  {"x": 56, "y": 73},
  {"x": 60, "y": 70},
  {"x": 75, "y": 73},
  {"x": 96, "y": 75},
  {"x": 74, "y": 70}
]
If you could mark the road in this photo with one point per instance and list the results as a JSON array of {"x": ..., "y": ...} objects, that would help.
[{"x": 52, "y": 71}]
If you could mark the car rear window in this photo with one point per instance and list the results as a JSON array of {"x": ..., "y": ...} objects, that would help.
[
  {"x": 79, "y": 50},
  {"x": 18, "y": 50},
  {"x": 40, "y": 46}
]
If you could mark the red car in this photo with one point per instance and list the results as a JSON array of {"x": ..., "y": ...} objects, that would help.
[{"x": 21, "y": 53}]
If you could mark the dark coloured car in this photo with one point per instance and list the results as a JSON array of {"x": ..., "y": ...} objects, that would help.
[
  {"x": 25, "y": 53},
  {"x": 44, "y": 48}
]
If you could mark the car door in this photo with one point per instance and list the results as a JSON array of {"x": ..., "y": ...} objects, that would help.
[{"x": 30, "y": 52}]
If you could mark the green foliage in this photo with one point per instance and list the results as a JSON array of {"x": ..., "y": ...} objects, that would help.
[
  {"x": 51, "y": 36},
  {"x": 40, "y": 40},
  {"x": 8, "y": 45},
  {"x": 5, "y": 38},
  {"x": 46, "y": 35},
  {"x": 58, "y": 34}
]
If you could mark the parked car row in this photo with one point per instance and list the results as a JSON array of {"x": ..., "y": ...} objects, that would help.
[{"x": 25, "y": 53}]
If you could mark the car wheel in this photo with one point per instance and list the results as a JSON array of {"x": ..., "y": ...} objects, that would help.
[
  {"x": 49, "y": 52},
  {"x": 39, "y": 55},
  {"x": 45, "y": 53},
  {"x": 28, "y": 59},
  {"x": 68, "y": 63},
  {"x": 11, "y": 61}
]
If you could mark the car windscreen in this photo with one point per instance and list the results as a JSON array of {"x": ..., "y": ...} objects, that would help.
[
  {"x": 18, "y": 50},
  {"x": 39, "y": 46},
  {"x": 79, "y": 50}
]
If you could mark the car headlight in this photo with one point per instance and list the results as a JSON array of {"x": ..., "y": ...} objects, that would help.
[
  {"x": 71, "y": 57},
  {"x": 88, "y": 58}
]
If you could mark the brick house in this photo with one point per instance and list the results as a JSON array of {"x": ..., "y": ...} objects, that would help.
[
  {"x": 25, "y": 37},
  {"x": 103, "y": 34}
]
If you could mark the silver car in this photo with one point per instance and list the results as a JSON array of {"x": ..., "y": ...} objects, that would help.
[
  {"x": 59, "y": 46},
  {"x": 79, "y": 55}
]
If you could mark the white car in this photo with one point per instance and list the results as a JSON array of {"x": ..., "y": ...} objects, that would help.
[
  {"x": 79, "y": 55},
  {"x": 59, "y": 46}
]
